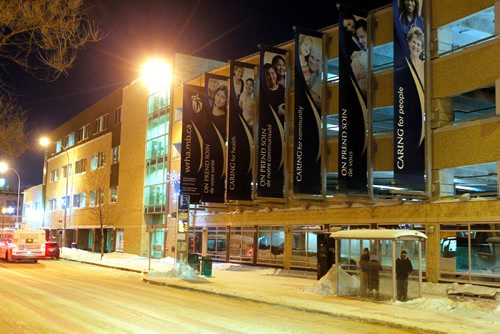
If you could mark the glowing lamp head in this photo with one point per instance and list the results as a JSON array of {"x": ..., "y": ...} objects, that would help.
[
  {"x": 3, "y": 167},
  {"x": 44, "y": 141},
  {"x": 157, "y": 74}
]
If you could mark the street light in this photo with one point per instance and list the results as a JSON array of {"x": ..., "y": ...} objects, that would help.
[
  {"x": 4, "y": 167},
  {"x": 44, "y": 142},
  {"x": 157, "y": 74}
]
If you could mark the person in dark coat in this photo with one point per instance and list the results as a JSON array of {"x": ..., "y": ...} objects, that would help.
[
  {"x": 363, "y": 263},
  {"x": 373, "y": 268},
  {"x": 403, "y": 269}
]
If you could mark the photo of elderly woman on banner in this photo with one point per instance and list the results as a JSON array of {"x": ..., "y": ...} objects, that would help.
[
  {"x": 308, "y": 116},
  {"x": 409, "y": 129}
]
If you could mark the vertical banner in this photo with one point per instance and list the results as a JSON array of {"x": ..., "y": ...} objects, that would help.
[
  {"x": 409, "y": 129},
  {"x": 352, "y": 168},
  {"x": 307, "y": 120},
  {"x": 195, "y": 108},
  {"x": 214, "y": 146},
  {"x": 271, "y": 131},
  {"x": 240, "y": 152}
]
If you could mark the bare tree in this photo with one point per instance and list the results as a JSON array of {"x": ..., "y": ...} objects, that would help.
[
  {"x": 99, "y": 208},
  {"x": 12, "y": 127},
  {"x": 43, "y": 37}
]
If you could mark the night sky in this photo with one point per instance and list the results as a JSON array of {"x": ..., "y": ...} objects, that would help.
[{"x": 137, "y": 29}]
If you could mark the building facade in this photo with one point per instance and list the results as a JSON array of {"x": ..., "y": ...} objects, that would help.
[{"x": 137, "y": 157}]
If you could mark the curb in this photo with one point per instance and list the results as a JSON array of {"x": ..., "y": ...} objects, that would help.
[
  {"x": 104, "y": 265},
  {"x": 296, "y": 308}
]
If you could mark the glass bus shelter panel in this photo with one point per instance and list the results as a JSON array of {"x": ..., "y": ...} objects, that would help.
[
  {"x": 305, "y": 246},
  {"x": 216, "y": 243},
  {"x": 374, "y": 279},
  {"x": 241, "y": 244},
  {"x": 271, "y": 245}
]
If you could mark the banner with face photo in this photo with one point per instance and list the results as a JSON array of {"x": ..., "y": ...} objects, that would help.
[
  {"x": 307, "y": 120},
  {"x": 352, "y": 168},
  {"x": 195, "y": 108},
  {"x": 409, "y": 129},
  {"x": 271, "y": 131},
  {"x": 240, "y": 152},
  {"x": 214, "y": 147}
]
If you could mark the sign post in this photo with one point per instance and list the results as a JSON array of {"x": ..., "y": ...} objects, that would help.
[
  {"x": 151, "y": 229},
  {"x": 182, "y": 229}
]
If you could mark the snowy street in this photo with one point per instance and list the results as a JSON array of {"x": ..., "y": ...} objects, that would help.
[{"x": 65, "y": 296}]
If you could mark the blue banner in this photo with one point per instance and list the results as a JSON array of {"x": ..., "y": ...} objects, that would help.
[
  {"x": 240, "y": 152},
  {"x": 409, "y": 129},
  {"x": 271, "y": 130},
  {"x": 353, "y": 73},
  {"x": 214, "y": 146},
  {"x": 195, "y": 108},
  {"x": 308, "y": 117}
]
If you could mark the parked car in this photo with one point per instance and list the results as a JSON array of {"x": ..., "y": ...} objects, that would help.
[{"x": 52, "y": 250}]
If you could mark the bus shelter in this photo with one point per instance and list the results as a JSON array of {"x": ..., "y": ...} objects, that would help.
[{"x": 374, "y": 273}]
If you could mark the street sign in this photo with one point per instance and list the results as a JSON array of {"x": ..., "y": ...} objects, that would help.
[{"x": 183, "y": 207}]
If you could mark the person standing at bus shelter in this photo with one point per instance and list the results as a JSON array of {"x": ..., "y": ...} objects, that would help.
[{"x": 403, "y": 270}]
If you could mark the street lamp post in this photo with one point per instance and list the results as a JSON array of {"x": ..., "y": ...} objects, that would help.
[{"x": 3, "y": 168}]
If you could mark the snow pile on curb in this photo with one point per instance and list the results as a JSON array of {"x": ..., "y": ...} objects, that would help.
[
  {"x": 182, "y": 270},
  {"x": 327, "y": 284}
]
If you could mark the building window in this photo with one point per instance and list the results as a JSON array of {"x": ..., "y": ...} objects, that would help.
[
  {"x": 98, "y": 160},
  {"x": 101, "y": 197},
  {"x": 94, "y": 162},
  {"x": 101, "y": 123},
  {"x": 117, "y": 115},
  {"x": 76, "y": 200},
  {"x": 466, "y": 32},
  {"x": 58, "y": 146},
  {"x": 102, "y": 159},
  {"x": 114, "y": 195},
  {"x": 80, "y": 166},
  {"x": 53, "y": 204},
  {"x": 93, "y": 198},
  {"x": 115, "y": 155},
  {"x": 65, "y": 202},
  {"x": 69, "y": 140},
  {"x": 54, "y": 175},
  {"x": 84, "y": 132},
  {"x": 83, "y": 197},
  {"x": 65, "y": 170}
]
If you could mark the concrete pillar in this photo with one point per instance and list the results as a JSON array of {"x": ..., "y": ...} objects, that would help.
[
  {"x": 498, "y": 178},
  {"x": 287, "y": 252},
  {"x": 433, "y": 252},
  {"x": 442, "y": 112},
  {"x": 497, "y": 18},
  {"x": 497, "y": 91},
  {"x": 443, "y": 183}
]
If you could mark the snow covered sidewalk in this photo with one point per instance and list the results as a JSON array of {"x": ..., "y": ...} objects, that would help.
[{"x": 435, "y": 312}]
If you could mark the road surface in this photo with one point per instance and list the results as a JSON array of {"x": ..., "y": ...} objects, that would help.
[{"x": 69, "y": 297}]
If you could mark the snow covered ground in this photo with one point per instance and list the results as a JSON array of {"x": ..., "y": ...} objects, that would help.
[{"x": 300, "y": 290}]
